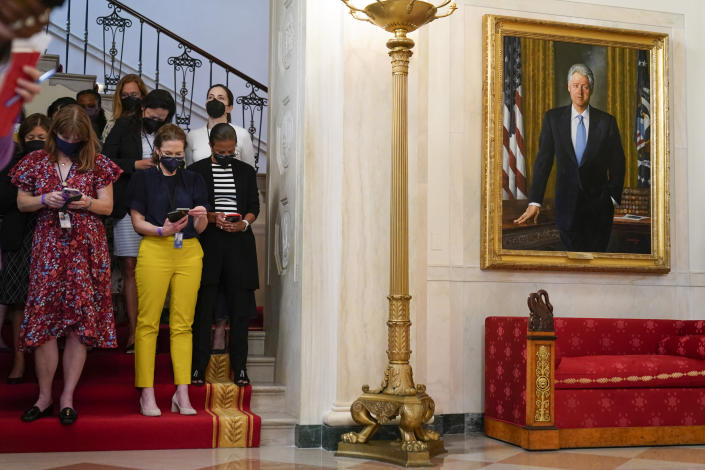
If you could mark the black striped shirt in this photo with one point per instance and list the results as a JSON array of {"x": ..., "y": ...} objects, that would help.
[{"x": 224, "y": 189}]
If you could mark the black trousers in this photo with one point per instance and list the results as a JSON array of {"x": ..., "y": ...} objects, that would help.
[
  {"x": 240, "y": 304},
  {"x": 592, "y": 226}
]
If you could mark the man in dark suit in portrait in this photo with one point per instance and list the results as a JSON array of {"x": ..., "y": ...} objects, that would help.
[{"x": 590, "y": 167}]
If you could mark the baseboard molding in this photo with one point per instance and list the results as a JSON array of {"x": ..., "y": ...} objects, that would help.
[
  {"x": 533, "y": 439},
  {"x": 327, "y": 437}
]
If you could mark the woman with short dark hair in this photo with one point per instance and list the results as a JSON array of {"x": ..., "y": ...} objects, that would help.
[
  {"x": 230, "y": 254},
  {"x": 68, "y": 185}
]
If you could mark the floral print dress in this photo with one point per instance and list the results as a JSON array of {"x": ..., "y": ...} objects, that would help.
[{"x": 69, "y": 280}]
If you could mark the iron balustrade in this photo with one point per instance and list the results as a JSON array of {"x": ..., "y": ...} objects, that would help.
[{"x": 185, "y": 66}]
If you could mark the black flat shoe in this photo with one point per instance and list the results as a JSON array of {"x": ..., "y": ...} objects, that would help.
[
  {"x": 14, "y": 380},
  {"x": 197, "y": 378},
  {"x": 68, "y": 416},
  {"x": 241, "y": 378},
  {"x": 35, "y": 413}
]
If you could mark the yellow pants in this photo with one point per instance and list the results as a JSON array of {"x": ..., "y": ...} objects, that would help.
[{"x": 160, "y": 266}]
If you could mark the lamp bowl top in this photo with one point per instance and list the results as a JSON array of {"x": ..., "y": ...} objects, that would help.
[{"x": 394, "y": 15}]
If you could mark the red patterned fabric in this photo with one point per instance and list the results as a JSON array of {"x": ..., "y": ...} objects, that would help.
[
  {"x": 611, "y": 336},
  {"x": 694, "y": 327},
  {"x": 630, "y": 371},
  {"x": 630, "y": 407},
  {"x": 686, "y": 346},
  {"x": 505, "y": 368}
]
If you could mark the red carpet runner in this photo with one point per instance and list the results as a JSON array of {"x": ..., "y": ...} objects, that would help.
[{"x": 109, "y": 419}]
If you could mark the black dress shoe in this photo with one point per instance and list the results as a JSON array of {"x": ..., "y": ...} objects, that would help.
[
  {"x": 241, "y": 378},
  {"x": 35, "y": 413},
  {"x": 68, "y": 416}
]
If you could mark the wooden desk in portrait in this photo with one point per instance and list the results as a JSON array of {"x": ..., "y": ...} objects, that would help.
[{"x": 628, "y": 236}]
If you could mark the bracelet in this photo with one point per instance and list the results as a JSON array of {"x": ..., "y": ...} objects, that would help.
[
  {"x": 247, "y": 224},
  {"x": 90, "y": 202},
  {"x": 159, "y": 231},
  {"x": 43, "y": 203}
]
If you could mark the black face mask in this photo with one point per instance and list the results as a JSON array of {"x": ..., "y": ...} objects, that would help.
[
  {"x": 215, "y": 108},
  {"x": 151, "y": 125},
  {"x": 32, "y": 145},
  {"x": 131, "y": 104},
  {"x": 172, "y": 163},
  {"x": 224, "y": 160}
]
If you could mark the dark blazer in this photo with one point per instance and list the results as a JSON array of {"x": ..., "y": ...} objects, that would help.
[
  {"x": 123, "y": 145},
  {"x": 239, "y": 251},
  {"x": 15, "y": 223},
  {"x": 599, "y": 177}
]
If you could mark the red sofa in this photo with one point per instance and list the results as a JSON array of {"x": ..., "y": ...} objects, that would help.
[{"x": 595, "y": 382}]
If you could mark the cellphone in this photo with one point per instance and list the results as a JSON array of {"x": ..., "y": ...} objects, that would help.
[
  {"x": 71, "y": 194},
  {"x": 178, "y": 214},
  {"x": 234, "y": 217}
]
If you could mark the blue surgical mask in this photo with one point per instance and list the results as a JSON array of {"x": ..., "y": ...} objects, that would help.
[{"x": 70, "y": 149}]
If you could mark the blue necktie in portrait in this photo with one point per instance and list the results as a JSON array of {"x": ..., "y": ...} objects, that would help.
[{"x": 580, "y": 139}]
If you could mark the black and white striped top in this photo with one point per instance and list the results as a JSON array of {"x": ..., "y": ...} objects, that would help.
[{"x": 224, "y": 189}]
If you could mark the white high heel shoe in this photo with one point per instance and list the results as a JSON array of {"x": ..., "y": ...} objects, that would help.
[
  {"x": 149, "y": 412},
  {"x": 176, "y": 408}
]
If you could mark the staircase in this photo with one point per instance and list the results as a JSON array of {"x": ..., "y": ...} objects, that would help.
[{"x": 267, "y": 397}]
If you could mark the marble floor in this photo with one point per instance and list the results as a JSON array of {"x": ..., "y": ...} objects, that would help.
[{"x": 468, "y": 452}]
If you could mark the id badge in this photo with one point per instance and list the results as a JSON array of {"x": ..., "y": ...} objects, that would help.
[
  {"x": 178, "y": 240},
  {"x": 64, "y": 220}
]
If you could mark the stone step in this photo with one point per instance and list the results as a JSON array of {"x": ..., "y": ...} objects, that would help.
[
  {"x": 48, "y": 62},
  {"x": 267, "y": 397},
  {"x": 255, "y": 342},
  {"x": 277, "y": 429},
  {"x": 260, "y": 369}
]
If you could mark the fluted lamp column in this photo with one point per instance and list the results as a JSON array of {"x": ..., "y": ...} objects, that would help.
[{"x": 398, "y": 395}]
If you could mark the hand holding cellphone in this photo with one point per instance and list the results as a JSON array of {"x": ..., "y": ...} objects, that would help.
[
  {"x": 178, "y": 214},
  {"x": 233, "y": 218},
  {"x": 71, "y": 194}
]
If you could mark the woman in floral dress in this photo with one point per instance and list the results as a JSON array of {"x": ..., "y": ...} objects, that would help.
[{"x": 69, "y": 285}]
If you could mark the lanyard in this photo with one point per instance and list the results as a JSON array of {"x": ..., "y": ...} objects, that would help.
[
  {"x": 61, "y": 176},
  {"x": 146, "y": 138}
]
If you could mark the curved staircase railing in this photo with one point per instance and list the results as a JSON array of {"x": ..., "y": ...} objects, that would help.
[{"x": 184, "y": 65}]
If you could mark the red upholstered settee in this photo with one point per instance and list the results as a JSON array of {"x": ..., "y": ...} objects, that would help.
[{"x": 595, "y": 382}]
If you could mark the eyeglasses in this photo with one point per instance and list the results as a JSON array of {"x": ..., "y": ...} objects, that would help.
[{"x": 129, "y": 95}]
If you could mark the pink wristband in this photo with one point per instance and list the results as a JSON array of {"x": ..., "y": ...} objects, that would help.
[
  {"x": 159, "y": 231},
  {"x": 43, "y": 203}
]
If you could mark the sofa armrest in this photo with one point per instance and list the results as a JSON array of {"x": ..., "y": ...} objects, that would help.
[{"x": 505, "y": 369}]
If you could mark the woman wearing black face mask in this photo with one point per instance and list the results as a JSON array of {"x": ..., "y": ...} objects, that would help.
[
  {"x": 219, "y": 105},
  {"x": 169, "y": 258},
  {"x": 127, "y": 100},
  {"x": 131, "y": 144},
  {"x": 16, "y": 239},
  {"x": 230, "y": 255}
]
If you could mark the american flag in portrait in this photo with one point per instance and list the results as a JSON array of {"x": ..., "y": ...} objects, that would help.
[
  {"x": 642, "y": 127},
  {"x": 513, "y": 161}
]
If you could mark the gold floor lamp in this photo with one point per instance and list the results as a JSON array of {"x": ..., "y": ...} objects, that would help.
[{"x": 398, "y": 395}]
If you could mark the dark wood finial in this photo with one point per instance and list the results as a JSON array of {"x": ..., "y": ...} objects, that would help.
[{"x": 541, "y": 311}]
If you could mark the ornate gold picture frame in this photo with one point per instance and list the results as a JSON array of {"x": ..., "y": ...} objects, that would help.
[{"x": 631, "y": 70}]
